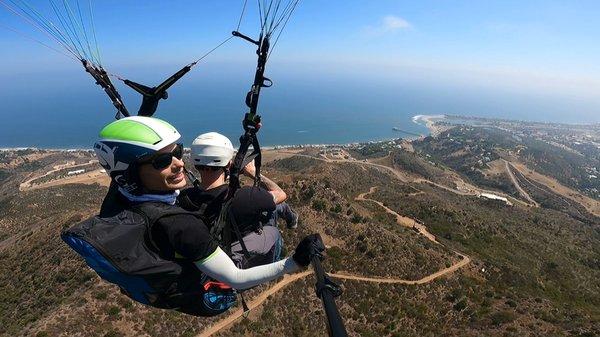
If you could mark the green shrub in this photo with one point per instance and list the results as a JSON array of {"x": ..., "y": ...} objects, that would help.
[
  {"x": 318, "y": 205},
  {"x": 113, "y": 310},
  {"x": 460, "y": 305},
  {"x": 113, "y": 333},
  {"x": 356, "y": 218},
  {"x": 502, "y": 317},
  {"x": 100, "y": 295},
  {"x": 336, "y": 209}
]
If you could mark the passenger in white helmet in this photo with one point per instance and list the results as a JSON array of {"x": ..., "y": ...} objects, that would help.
[
  {"x": 212, "y": 155},
  {"x": 257, "y": 209}
]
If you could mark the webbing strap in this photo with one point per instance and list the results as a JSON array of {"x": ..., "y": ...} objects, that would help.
[
  {"x": 193, "y": 178},
  {"x": 250, "y": 158},
  {"x": 152, "y": 95},
  {"x": 220, "y": 229},
  {"x": 237, "y": 232},
  {"x": 257, "y": 160},
  {"x": 140, "y": 88},
  {"x": 251, "y": 122},
  {"x": 247, "y": 139},
  {"x": 244, "y": 305},
  {"x": 102, "y": 79}
]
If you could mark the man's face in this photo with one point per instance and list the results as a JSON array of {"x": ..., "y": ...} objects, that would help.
[
  {"x": 166, "y": 179},
  {"x": 213, "y": 170}
]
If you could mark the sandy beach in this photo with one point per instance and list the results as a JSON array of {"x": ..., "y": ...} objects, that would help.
[{"x": 430, "y": 122}]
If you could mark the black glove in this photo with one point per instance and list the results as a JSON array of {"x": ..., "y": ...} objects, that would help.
[{"x": 310, "y": 246}]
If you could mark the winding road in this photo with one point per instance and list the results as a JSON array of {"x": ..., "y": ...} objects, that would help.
[
  {"x": 468, "y": 188},
  {"x": 517, "y": 186},
  {"x": 288, "y": 279}
]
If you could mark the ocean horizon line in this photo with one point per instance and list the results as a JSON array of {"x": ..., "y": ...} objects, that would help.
[{"x": 269, "y": 147}]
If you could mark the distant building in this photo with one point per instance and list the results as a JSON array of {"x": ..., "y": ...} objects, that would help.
[
  {"x": 495, "y": 197},
  {"x": 71, "y": 173}
]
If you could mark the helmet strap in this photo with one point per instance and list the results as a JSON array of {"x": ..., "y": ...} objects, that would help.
[
  {"x": 226, "y": 172},
  {"x": 132, "y": 177}
]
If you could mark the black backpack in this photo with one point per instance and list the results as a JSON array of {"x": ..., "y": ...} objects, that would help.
[
  {"x": 223, "y": 226},
  {"x": 121, "y": 250}
]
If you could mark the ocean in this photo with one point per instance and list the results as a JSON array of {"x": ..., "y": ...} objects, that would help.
[{"x": 68, "y": 111}]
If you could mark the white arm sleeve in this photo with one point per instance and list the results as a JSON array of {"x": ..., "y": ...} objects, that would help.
[{"x": 220, "y": 267}]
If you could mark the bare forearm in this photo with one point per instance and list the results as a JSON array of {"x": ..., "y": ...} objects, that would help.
[
  {"x": 269, "y": 184},
  {"x": 278, "y": 194}
]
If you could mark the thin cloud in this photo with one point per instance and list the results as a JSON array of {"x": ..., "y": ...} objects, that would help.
[
  {"x": 388, "y": 24},
  {"x": 392, "y": 23}
]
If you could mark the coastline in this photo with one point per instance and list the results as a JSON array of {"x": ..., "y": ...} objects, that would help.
[
  {"x": 429, "y": 121},
  {"x": 435, "y": 124},
  {"x": 268, "y": 148}
]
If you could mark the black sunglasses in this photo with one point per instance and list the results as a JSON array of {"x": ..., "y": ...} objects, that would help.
[{"x": 161, "y": 161}]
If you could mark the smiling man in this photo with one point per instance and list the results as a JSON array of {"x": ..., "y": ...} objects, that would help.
[{"x": 158, "y": 253}]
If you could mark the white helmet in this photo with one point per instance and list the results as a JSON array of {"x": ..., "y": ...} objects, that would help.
[{"x": 212, "y": 149}]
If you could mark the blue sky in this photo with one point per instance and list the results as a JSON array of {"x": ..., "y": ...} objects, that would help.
[{"x": 537, "y": 47}]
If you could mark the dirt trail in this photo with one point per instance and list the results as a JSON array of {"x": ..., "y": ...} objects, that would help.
[
  {"x": 467, "y": 189},
  {"x": 254, "y": 303},
  {"x": 463, "y": 262},
  {"x": 591, "y": 205},
  {"x": 27, "y": 185},
  {"x": 518, "y": 187},
  {"x": 449, "y": 189},
  {"x": 402, "y": 177},
  {"x": 91, "y": 177},
  {"x": 401, "y": 220},
  {"x": 288, "y": 279}
]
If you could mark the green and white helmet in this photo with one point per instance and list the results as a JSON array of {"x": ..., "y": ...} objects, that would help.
[{"x": 124, "y": 142}]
